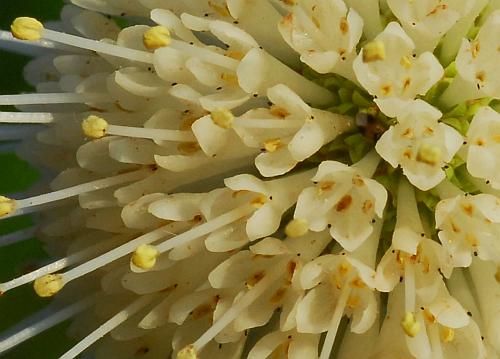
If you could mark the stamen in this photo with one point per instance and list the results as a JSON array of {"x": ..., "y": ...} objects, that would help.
[
  {"x": 297, "y": 228},
  {"x": 111, "y": 324},
  {"x": 26, "y": 28},
  {"x": 48, "y": 285},
  {"x": 53, "y": 98},
  {"x": 116, "y": 253},
  {"x": 42, "y": 321},
  {"x": 137, "y": 55},
  {"x": 7, "y": 206},
  {"x": 156, "y": 37},
  {"x": 232, "y": 313},
  {"x": 334, "y": 324},
  {"x": 437, "y": 350},
  {"x": 97, "y": 127},
  {"x": 62, "y": 263},
  {"x": 23, "y": 206},
  {"x": 145, "y": 256},
  {"x": 207, "y": 227},
  {"x": 409, "y": 286},
  {"x": 37, "y": 32},
  {"x": 410, "y": 325},
  {"x": 222, "y": 118}
]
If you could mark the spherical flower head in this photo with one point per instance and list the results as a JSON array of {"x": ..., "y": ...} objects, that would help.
[
  {"x": 420, "y": 144},
  {"x": 156, "y": 37},
  {"x": 48, "y": 285},
  {"x": 27, "y": 28},
  {"x": 7, "y": 206},
  {"x": 94, "y": 127},
  {"x": 145, "y": 256}
]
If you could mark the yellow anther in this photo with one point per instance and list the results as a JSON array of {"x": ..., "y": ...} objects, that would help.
[
  {"x": 94, "y": 127},
  {"x": 297, "y": 227},
  {"x": 48, "y": 285},
  {"x": 222, "y": 117},
  {"x": 187, "y": 353},
  {"x": 7, "y": 206},
  {"x": 373, "y": 51},
  {"x": 273, "y": 145},
  {"x": 145, "y": 256},
  {"x": 156, "y": 37},
  {"x": 429, "y": 154},
  {"x": 26, "y": 28},
  {"x": 447, "y": 334},
  {"x": 410, "y": 325}
]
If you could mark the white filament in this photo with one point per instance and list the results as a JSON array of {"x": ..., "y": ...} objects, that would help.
[
  {"x": 409, "y": 287},
  {"x": 23, "y": 332},
  {"x": 246, "y": 300},
  {"x": 53, "y": 98},
  {"x": 334, "y": 324},
  {"x": 26, "y": 117},
  {"x": 60, "y": 264},
  {"x": 97, "y": 46},
  {"x": 111, "y": 324},
  {"x": 151, "y": 133},
  {"x": 17, "y": 236},
  {"x": 80, "y": 189},
  {"x": 206, "y": 228}
]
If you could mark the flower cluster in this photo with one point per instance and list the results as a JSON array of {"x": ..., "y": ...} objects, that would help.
[{"x": 264, "y": 179}]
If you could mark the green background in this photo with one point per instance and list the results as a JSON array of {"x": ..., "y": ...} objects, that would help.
[{"x": 16, "y": 175}]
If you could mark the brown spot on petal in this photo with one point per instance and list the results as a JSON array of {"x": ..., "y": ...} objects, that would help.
[
  {"x": 254, "y": 279},
  {"x": 344, "y": 203},
  {"x": 468, "y": 209},
  {"x": 278, "y": 111},
  {"x": 438, "y": 8},
  {"x": 367, "y": 206},
  {"x": 344, "y": 25}
]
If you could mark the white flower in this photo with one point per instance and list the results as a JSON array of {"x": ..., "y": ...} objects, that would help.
[
  {"x": 291, "y": 131},
  {"x": 182, "y": 215},
  {"x": 419, "y": 144},
  {"x": 388, "y": 69},
  {"x": 427, "y": 22},
  {"x": 483, "y": 140},
  {"x": 477, "y": 59},
  {"x": 469, "y": 224},
  {"x": 325, "y": 34},
  {"x": 344, "y": 200},
  {"x": 348, "y": 281}
]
